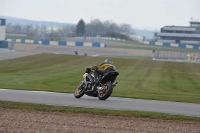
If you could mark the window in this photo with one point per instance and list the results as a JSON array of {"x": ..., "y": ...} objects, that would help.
[{"x": 195, "y": 25}]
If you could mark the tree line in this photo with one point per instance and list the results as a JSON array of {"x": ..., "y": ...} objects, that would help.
[
  {"x": 105, "y": 29},
  {"x": 94, "y": 28}
]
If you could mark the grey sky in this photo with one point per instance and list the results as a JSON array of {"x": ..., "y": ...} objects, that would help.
[{"x": 152, "y": 14}]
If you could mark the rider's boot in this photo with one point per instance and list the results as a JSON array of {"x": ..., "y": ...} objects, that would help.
[{"x": 96, "y": 82}]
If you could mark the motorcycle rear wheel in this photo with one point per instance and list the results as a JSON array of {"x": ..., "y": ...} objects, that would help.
[
  {"x": 79, "y": 91},
  {"x": 103, "y": 95}
]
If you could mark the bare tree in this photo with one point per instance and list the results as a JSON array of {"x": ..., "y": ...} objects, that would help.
[
  {"x": 17, "y": 28},
  {"x": 9, "y": 28},
  {"x": 66, "y": 31},
  {"x": 36, "y": 29},
  {"x": 125, "y": 28},
  {"x": 43, "y": 29},
  {"x": 28, "y": 28}
]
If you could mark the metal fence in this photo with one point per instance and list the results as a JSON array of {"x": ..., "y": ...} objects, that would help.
[{"x": 177, "y": 55}]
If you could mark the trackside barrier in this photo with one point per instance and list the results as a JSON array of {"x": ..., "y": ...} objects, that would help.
[
  {"x": 177, "y": 55},
  {"x": 59, "y": 43},
  {"x": 172, "y": 45},
  {"x": 99, "y": 38},
  {"x": 3, "y": 44}
]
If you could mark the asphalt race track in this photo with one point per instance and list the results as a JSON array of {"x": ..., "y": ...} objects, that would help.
[{"x": 112, "y": 103}]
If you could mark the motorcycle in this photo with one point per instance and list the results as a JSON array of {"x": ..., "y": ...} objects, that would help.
[{"x": 102, "y": 90}]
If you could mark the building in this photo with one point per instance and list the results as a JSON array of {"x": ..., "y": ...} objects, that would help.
[
  {"x": 2, "y": 29},
  {"x": 180, "y": 34}
]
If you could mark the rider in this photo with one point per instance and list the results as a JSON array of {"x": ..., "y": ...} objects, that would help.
[{"x": 105, "y": 67}]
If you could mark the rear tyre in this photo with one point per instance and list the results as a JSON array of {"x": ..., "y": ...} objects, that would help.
[
  {"x": 106, "y": 92},
  {"x": 79, "y": 91}
]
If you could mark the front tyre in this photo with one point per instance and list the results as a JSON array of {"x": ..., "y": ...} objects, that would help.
[
  {"x": 79, "y": 91},
  {"x": 105, "y": 92}
]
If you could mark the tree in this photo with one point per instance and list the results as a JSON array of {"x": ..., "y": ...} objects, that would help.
[
  {"x": 36, "y": 29},
  {"x": 126, "y": 28},
  {"x": 80, "y": 29},
  {"x": 28, "y": 28},
  {"x": 43, "y": 29},
  {"x": 118, "y": 35},
  {"x": 17, "y": 28},
  {"x": 97, "y": 27},
  {"x": 9, "y": 28}
]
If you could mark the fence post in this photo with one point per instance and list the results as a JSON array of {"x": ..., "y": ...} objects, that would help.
[{"x": 12, "y": 47}]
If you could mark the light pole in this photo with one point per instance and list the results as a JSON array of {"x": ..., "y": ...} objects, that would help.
[{"x": 91, "y": 26}]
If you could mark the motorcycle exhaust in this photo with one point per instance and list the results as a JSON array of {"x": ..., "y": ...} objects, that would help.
[{"x": 114, "y": 84}]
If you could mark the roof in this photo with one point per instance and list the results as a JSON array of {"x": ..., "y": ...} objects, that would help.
[
  {"x": 194, "y": 22},
  {"x": 196, "y": 27},
  {"x": 180, "y": 26}
]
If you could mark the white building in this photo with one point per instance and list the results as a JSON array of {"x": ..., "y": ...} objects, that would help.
[
  {"x": 2, "y": 29},
  {"x": 180, "y": 34}
]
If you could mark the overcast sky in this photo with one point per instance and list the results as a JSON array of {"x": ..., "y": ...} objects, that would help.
[{"x": 151, "y": 14}]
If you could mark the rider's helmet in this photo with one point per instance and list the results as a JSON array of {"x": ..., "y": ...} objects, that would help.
[{"x": 108, "y": 61}]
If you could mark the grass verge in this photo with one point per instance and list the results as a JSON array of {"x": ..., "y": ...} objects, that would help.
[
  {"x": 143, "y": 79},
  {"x": 127, "y": 42},
  {"x": 128, "y": 57},
  {"x": 32, "y": 38},
  {"x": 48, "y": 108}
]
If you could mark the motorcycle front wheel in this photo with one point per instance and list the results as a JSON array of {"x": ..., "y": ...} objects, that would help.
[
  {"x": 79, "y": 91},
  {"x": 105, "y": 92}
]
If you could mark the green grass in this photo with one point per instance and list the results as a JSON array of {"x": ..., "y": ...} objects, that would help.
[
  {"x": 48, "y": 108},
  {"x": 128, "y": 57},
  {"x": 20, "y": 37},
  {"x": 144, "y": 79},
  {"x": 32, "y": 38},
  {"x": 127, "y": 42}
]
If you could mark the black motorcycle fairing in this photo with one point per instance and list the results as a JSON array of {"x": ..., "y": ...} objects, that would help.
[
  {"x": 109, "y": 76},
  {"x": 91, "y": 93},
  {"x": 88, "y": 70}
]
